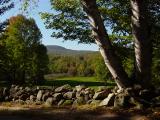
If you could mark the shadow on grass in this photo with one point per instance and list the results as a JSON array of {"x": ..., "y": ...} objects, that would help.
[
  {"x": 74, "y": 83},
  {"x": 67, "y": 113},
  {"x": 59, "y": 114}
]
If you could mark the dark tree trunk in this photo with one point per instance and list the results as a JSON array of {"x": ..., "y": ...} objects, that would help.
[
  {"x": 102, "y": 39},
  {"x": 143, "y": 45}
]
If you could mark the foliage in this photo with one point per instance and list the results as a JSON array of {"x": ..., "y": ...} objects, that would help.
[
  {"x": 24, "y": 52},
  {"x": 79, "y": 65},
  {"x": 5, "y": 5},
  {"x": 101, "y": 72}
]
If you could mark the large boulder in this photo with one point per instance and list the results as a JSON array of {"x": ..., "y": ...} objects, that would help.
[
  {"x": 109, "y": 101},
  {"x": 64, "y": 88}
]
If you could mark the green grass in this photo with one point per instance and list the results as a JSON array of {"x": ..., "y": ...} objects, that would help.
[{"x": 74, "y": 81}]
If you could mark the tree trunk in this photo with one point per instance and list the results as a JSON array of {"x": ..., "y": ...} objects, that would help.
[
  {"x": 106, "y": 49},
  {"x": 143, "y": 45}
]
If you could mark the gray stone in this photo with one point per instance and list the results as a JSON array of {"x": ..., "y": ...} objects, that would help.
[
  {"x": 91, "y": 96},
  {"x": 69, "y": 95},
  {"x": 13, "y": 86},
  {"x": 32, "y": 98},
  {"x": 58, "y": 96},
  {"x": 64, "y": 88},
  {"x": 86, "y": 97},
  {"x": 6, "y": 98},
  {"x": 101, "y": 95},
  {"x": 156, "y": 101},
  {"x": 20, "y": 102},
  {"x": 89, "y": 91},
  {"x": 79, "y": 88},
  {"x": 49, "y": 102},
  {"x": 39, "y": 95},
  {"x": 29, "y": 102},
  {"x": 45, "y": 96},
  {"x": 61, "y": 102},
  {"x": 136, "y": 103},
  {"x": 18, "y": 94},
  {"x": 27, "y": 89},
  {"x": 5, "y": 92},
  {"x": 79, "y": 94},
  {"x": 109, "y": 101},
  {"x": 21, "y": 88},
  {"x": 23, "y": 97},
  {"x": 146, "y": 94},
  {"x": 122, "y": 100},
  {"x": 89, "y": 101},
  {"x": 38, "y": 88},
  {"x": 86, "y": 92},
  {"x": 79, "y": 101},
  {"x": 16, "y": 87}
]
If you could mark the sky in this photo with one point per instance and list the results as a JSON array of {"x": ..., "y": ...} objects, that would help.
[{"x": 44, "y": 6}]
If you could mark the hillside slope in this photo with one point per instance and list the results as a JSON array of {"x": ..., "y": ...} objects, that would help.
[{"x": 58, "y": 50}]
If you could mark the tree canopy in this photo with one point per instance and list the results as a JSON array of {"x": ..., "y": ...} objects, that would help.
[{"x": 25, "y": 56}]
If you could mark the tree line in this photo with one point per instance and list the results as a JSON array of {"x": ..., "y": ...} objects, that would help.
[{"x": 79, "y": 65}]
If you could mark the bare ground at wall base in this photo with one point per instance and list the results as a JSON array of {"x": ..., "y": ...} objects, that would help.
[{"x": 81, "y": 113}]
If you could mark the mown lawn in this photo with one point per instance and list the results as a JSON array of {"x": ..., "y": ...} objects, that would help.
[{"x": 73, "y": 81}]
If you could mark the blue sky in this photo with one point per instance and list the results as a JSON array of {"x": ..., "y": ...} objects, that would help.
[{"x": 44, "y": 6}]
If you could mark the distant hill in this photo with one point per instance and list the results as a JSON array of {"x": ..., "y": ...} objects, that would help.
[{"x": 58, "y": 50}]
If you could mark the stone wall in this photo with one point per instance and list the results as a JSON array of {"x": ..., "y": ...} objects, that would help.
[{"x": 66, "y": 95}]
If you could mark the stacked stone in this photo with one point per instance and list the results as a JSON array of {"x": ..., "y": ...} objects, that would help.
[{"x": 78, "y": 95}]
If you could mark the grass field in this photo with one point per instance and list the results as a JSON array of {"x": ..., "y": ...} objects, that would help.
[{"x": 73, "y": 81}]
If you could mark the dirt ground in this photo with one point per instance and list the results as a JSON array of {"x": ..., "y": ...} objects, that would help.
[{"x": 68, "y": 113}]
